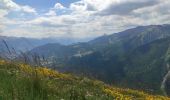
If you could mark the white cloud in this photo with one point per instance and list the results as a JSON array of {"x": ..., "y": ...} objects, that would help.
[
  {"x": 10, "y": 5},
  {"x": 59, "y": 6},
  {"x": 78, "y": 6},
  {"x": 86, "y": 18},
  {"x": 110, "y": 7},
  {"x": 157, "y": 14},
  {"x": 28, "y": 9},
  {"x": 3, "y": 13},
  {"x": 51, "y": 13}
]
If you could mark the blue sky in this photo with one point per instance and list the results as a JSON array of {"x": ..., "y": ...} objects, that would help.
[
  {"x": 44, "y": 4},
  {"x": 78, "y": 18}
]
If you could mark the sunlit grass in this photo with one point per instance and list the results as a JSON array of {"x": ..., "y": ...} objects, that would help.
[{"x": 25, "y": 82}]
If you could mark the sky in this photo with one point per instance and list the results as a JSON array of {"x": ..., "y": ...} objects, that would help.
[{"x": 78, "y": 18}]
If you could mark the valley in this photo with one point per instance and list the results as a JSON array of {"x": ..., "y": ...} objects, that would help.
[{"x": 135, "y": 58}]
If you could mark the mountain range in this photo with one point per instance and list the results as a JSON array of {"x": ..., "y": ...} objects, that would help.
[
  {"x": 135, "y": 58},
  {"x": 16, "y": 45}
]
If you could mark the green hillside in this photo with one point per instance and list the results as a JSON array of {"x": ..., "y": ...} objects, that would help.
[
  {"x": 23, "y": 82},
  {"x": 146, "y": 66},
  {"x": 135, "y": 58}
]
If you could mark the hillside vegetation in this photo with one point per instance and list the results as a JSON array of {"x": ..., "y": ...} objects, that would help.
[
  {"x": 135, "y": 58},
  {"x": 23, "y": 82}
]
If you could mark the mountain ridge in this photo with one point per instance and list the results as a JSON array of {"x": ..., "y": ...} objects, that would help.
[{"x": 106, "y": 58}]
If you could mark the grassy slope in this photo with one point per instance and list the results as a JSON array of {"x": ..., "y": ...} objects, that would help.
[{"x": 22, "y": 82}]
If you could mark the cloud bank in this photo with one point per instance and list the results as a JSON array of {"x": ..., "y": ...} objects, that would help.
[{"x": 82, "y": 19}]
